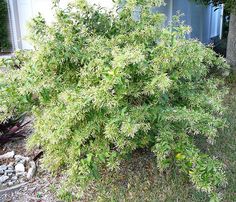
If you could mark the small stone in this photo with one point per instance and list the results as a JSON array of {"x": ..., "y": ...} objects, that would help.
[
  {"x": 3, "y": 179},
  {"x": 22, "y": 161},
  {"x": 14, "y": 178},
  {"x": 10, "y": 167},
  {"x": 9, "y": 171},
  {"x": 19, "y": 158},
  {"x": 19, "y": 168},
  {"x": 3, "y": 167},
  {"x": 7, "y": 155},
  {"x": 10, "y": 183},
  {"x": 21, "y": 181},
  {"x": 32, "y": 170},
  {"x": 20, "y": 174},
  {"x": 9, "y": 174},
  {"x": 4, "y": 184}
]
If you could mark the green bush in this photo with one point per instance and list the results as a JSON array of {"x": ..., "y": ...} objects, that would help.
[{"x": 102, "y": 85}]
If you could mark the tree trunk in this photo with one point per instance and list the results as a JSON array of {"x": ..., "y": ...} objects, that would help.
[{"x": 231, "y": 44}]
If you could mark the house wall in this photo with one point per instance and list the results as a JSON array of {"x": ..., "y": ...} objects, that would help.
[
  {"x": 15, "y": 30},
  {"x": 205, "y": 22},
  {"x": 21, "y": 13}
]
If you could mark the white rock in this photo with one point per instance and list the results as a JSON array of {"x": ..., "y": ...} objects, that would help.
[
  {"x": 10, "y": 183},
  {"x": 14, "y": 178},
  {"x": 32, "y": 170},
  {"x": 3, "y": 179},
  {"x": 3, "y": 168},
  {"x": 9, "y": 171},
  {"x": 22, "y": 181},
  {"x": 20, "y": 174},
  {"x": 19, "y": 168},
  {"x": 22, "y": 159},
  {"x": 10, "y": 167},
  {"x": 7, "y": 155}
]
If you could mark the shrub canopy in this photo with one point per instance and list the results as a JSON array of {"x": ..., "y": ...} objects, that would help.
[{"x": 101, "y": 85}]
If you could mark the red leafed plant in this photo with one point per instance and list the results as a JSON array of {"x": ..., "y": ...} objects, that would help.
[{"x": 12, "y": 129}]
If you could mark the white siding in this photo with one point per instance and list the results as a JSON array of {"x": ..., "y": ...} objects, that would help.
[
  {"x": 205, "y": 22},
  {"x": 25, "y": 13},
  {"x": 22, "y": 11},
  {"x": 216, "y": 21},
  {"x": 13, "y": 16}
]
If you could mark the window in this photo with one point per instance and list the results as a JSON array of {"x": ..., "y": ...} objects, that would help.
[{"x": 5, "y": 36}]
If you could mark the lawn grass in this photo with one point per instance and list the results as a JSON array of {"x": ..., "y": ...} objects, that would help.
[
  {"x": 225, "y": 147},
  {"x": 139, "y": 180}
]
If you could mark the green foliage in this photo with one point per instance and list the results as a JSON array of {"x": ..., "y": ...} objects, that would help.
[
  {"x": 4, "y": 32},
  {"x": 102, "y": 85}
]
